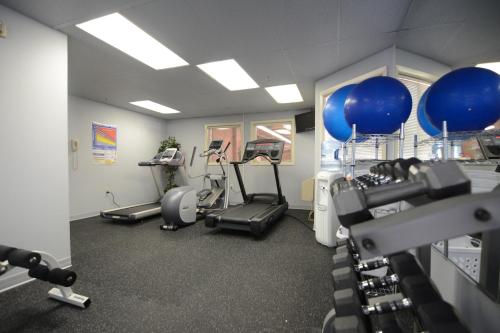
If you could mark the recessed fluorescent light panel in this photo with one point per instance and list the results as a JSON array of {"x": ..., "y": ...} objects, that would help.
[
  {"x": 273, "y": 133},
  {"x": 150, "y": 105},
  {"x": 494, "y": 66},
  {"x": 288, "y": 93},
  {"x": 230, "y": 74},
  {"x": 283, "y": 131},
  {"x": 118, "y": 31}
]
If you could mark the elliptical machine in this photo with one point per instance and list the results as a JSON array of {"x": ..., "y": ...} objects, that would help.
[{"x": 183, "y": 206}]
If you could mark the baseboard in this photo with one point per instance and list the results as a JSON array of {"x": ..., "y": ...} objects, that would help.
[
  {"x": 83, "y": 216},
  {"x": 19, "y": 276},
  {"x": 300, "y": 207}
]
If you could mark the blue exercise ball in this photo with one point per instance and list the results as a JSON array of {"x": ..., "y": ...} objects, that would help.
[
  {"x": 378, "y": 105},
  {"x": 467, "y": 98},
  {"x": 423, "y": 119},
  {"x": 333, "y": 114}
]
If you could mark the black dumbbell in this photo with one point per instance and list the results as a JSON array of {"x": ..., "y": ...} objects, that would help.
[
  {"x": 379, "y": 174},
  {"x": 345, "y": 259},
  {"x": 346, "y": 324},
  {"x": 401, "y": 265},
  {"x": 437, "y": 180},
  {"x": 421, "y": 295},
  {"x": 418, "y": 290},
  {"x": 395, "y": 171},
  {"x": 435, "y": 317},
  {"x": 362, "y": 181},
  {"x": 402, "y": 166},
  {"x": 440, "y": 317},
  {"x": 386, "y": 323},
  {"x": 340, "y": 184},
  {"x": 386, "y": 172}
]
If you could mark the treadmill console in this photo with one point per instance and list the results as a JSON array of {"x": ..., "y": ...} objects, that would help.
[
  {"x": 215, "y": 144},
  {"x": 490, "y": 145},
  {"x": 170, "y": 156},
  {"x": 271, "y": 149}
]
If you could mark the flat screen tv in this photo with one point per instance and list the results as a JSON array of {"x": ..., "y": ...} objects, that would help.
[{"x": 304, "y": 122}]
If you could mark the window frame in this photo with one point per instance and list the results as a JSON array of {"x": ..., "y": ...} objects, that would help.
[
  {"x": 321, "y": 99},
  {"x": 253, "y": 136},
  {"x": 231, "y": 124},
  {"x": 421, "y": 80}
]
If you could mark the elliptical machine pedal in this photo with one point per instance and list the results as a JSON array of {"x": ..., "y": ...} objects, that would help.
[{"x": 169, "y": 227}]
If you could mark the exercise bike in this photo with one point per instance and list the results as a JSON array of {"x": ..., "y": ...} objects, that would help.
[{"x": 183, "y": 206}]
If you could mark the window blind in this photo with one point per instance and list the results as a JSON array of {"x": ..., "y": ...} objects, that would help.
[{"x": 417, "y": 89}]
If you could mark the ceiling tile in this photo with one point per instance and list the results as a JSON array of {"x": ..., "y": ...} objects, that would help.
[
  {"x": 313, "y": 62},
  {"x": 431, "y": 41},
  {"x": 353, "y": 50},
  {"x": 427, "y": 13},
  {"x": 361, "y": 18},
  {"x": 305, "y": 23}
]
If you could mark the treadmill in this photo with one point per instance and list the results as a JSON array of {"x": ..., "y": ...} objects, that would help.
[
  {"x": 258, "y": 210},
  {"x": 134, "y": 213}
]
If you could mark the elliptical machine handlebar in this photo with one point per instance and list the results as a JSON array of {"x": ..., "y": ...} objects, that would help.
[
  {"x": 192, "y": 156},
  {"x": 223, "y": 154}
]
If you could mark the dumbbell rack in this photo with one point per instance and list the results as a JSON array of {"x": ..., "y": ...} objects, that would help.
[
  {"x": 374, "y": 141},
  {"x": 489, "y": 248},
  {"x": 461, "y": 214}
]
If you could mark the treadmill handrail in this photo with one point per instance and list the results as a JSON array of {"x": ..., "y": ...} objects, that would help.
[
  {"x": 240, "y": 182},
  {"x": 278, "y": 183}
]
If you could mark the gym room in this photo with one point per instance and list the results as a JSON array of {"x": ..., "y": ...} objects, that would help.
[{"x": 319, "y": 166}]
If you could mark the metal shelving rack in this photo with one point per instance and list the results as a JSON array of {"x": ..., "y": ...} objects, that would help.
[
  {"x": 489, "y": 277},
  {"x": 450, "y": 139},
  {"x": 368, "y": 140}
]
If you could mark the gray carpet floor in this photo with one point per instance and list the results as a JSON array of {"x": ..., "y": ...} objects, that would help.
[{"x": 141, "y": 279}]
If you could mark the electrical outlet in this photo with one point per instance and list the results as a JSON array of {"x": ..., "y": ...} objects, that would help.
[{"x": 3, "y": 30}]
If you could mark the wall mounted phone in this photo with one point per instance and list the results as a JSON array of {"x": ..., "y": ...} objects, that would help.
[{"x": 75, "y": 144}]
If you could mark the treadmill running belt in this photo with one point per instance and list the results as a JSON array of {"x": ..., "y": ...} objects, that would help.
[
  {"x": 131, "y": 210},
  {"x": 244, "y": 212}
]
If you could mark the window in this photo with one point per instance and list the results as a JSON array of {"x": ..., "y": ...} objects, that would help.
[
  {"x": 330, "y": 156},
  {"x": 412, "y": 127},
  {"x": 232, "y": 133},
  {"x": 283, "y": 130}
]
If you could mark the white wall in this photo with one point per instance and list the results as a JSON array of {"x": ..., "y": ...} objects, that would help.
[
  {"x": 138, "y": 139},
  {"x": 33, "y": 109},
  {"x": 190, "y": 132},
  {"x": 420, "y": 67}
]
